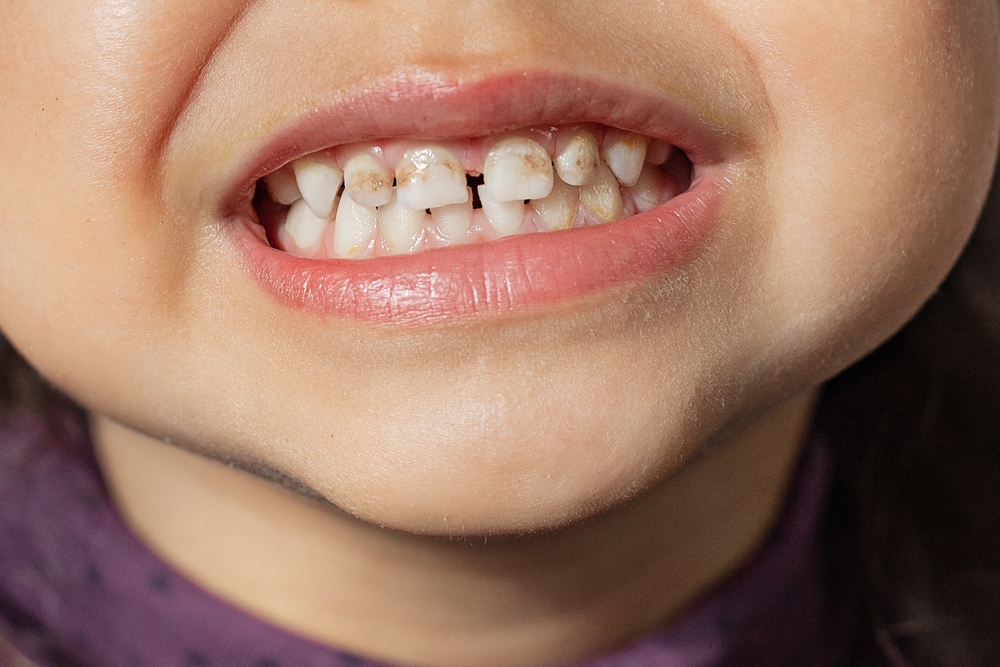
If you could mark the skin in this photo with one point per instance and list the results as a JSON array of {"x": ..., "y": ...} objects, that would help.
[{"x": 617, "y": 430}]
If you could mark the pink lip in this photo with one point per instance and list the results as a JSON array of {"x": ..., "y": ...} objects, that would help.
[{"x": 505, "y": 276}]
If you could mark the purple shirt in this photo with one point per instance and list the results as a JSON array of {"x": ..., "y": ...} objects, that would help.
[{"x": 78, "y": 589}]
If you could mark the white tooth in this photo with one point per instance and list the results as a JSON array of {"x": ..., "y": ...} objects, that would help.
[
  {"x": 400, "y": 226},
  {"x": 625, "y": 153},
  {"x": 577, "y": 158},
  {"x": 558, "y": 210},
  {"x": 355, "y": 227},
  {"x": 281, "y": 186},
  {"x": 518, "y": 169},
  {"x": 649, "y": 189},
  {"x": 505, "y": 216},
  {"x": 318, "y": 179},
  {"x": 453, "y": 221},
  {"x": 658, "y": 152},
  {"x": 603, "y": 196},
  {"x": 302, "y": 228},
  {"x": 430, "y": 177},
  {"x": 367, "y": 180}
]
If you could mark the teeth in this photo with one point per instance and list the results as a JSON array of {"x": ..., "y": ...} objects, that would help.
[
  {"x": 625, "y": 153},
  {"x": 580, "y": 174},
  {"x": 430, "y": 177},
  {"x": 355, "y": 227},
  {"x": 302, "y": 229},
  {"x": 504, "y": 216},
  {"x": 603, "y": 196},
  {"x": 367, "y": 180},
  {"x": 281, "y": 186},
  {"x": 558, "y": 210},
  {"x": 658, "y": 152},
  {"x": 453, "y": 221},
  {"x": 648, "y": 190},
  {"x": 400, "y": 226},
  {"x": 577, "y": 158},
  {"x": 318, "y": 179},
  {"x": 518, "y": 169}
]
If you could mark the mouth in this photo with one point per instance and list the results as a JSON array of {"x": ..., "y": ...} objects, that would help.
[{"x": 433, "y": 200}]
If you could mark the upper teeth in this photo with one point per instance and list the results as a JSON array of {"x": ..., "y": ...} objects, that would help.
[
  {"x": 429, "y": 177},
  {"x": 319, "y": 179},
  {"x": 367, "y": 180},
  {"x": 282, "y": 187},
  {"x": 344, "y": 202},
  {"x": 578, "y": 157},
  {"x": 518, "y": 169},
  {"x": 625, "y": 153}
]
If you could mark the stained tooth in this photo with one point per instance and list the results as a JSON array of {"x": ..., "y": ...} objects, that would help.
[
  {"x": 453, "y": 221},
  {"x": 518, "y": 169},
  {"x": 367, "y": 180},
  {"x": 603, "y": 196},
  {"x": 577, "y": 157},
  {"x": 505, "y": 217},
  {"x": 281, "y": 186},
  {"x": 558, "y": 210},
  {"x": 648, "y": 190},
  {"x": 398, "y": 225},
  {"x": 302, "y": 229},
  {"x": 659, "y": 151},
  {"x": 354, "y": 229},
  {"x": 625, "y": 153},
  {"x": 430, "y": 177},
  {"x": 318, "y": 179}
]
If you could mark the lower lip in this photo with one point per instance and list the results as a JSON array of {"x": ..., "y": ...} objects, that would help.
[{"x": 511, "y": 275}]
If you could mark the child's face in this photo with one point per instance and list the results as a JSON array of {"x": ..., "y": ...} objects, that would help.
[{"x": 854, "y": 141}]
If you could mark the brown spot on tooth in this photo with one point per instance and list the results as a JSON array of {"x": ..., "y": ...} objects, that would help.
[{"x": 366, "y": 182}]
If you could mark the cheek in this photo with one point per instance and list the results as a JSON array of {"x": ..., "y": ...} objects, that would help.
[
  {"x": 90, "y": 261},
  {"x": 886, "y": 117}
]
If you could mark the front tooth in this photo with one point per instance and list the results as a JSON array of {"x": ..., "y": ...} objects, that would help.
[
  {"x": 398, "y": 225},
  {"x": 577, "y": 158},
  {"x": 281, "y": 186},
  {"x": 354, "y": 229},
  {"x": 303, "y": 228},
  {"x": 453, "y": 221},
  {"x": 603, "y": 196},
  {"x": 367, "y": 180},
  {"x": 558, "y": 210},
  {"x": 318, "y": 179},
  {"x": 625, "y": 153},
  {"x": 430, "y": 177},
  {"x": 518, "y": 169},
  {"x": 505, "y": 216},
  {"x": 648, "y": 189}
]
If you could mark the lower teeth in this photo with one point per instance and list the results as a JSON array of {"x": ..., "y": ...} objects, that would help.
[{"x": 296, "y": 208}]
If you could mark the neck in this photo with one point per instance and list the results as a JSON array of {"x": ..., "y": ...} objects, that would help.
[{"x": 541, "y": 599}]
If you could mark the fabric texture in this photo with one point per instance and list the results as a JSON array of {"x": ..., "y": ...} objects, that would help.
[{"x": 77, "y": 589}]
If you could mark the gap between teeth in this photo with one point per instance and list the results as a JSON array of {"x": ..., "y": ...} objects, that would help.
[{"x": 349, "y": 202}]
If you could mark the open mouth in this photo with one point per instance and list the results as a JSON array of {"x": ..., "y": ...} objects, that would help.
[
  {"x": 435, "y": 200},
  {"x": 364, "y": 200}
]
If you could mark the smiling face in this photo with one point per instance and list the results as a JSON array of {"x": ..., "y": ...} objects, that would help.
[{"x": 839, "y": 154}]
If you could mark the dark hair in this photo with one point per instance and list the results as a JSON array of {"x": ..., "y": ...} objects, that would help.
[
  {"x": 914, "y": 521},
  {"x": 913, "y": 529}
]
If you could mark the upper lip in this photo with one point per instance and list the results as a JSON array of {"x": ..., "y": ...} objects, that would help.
[{"x": 430, "y": 107}]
